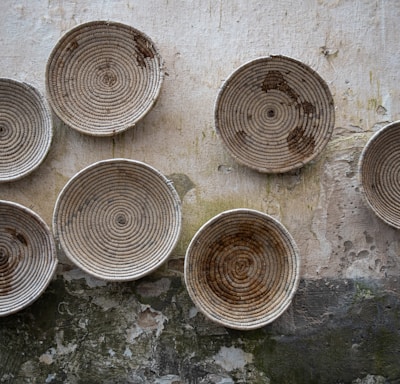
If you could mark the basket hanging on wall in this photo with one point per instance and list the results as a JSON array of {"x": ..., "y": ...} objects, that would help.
[
  {"x": 242, "y": 269},
  {"x": 379, "y": 168},
  {"x": 274, "y": 114},
  {"x": 118, "y": 219},
  {"x": 102, "y": 77},
  {"x": 25, "y": 129},
  {"x": 27, "y": 257}
]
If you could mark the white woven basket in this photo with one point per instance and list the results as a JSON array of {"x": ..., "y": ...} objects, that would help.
[
  {"x": 118, "y": 219},
  {"x": 25, "y": 129},
  {"x": 274, "y": 114},
  {"x": 379, "y": 169},
  {"x": 27, "y": 257},
  {"x": 102, "y": 77}
]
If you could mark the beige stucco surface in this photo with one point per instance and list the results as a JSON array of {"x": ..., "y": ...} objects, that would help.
[{"x": 354, "y": 47}]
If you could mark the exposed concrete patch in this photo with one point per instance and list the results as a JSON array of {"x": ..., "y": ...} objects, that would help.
[
  {"x": 232, "y": 358},
  {"x": 148, "y": 321},
  {"x": 169, "y": 379},
  {"x": 48, "y": 357},
  {"x": 370, "y": 379},
  {"x": 76, "y": 274}
]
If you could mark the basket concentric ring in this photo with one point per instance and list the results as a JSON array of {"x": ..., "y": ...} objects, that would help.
[
  {"x": 242, "y": 269},
  {"x": 27, "y": 257},
  {"x": 274, "y": 114},
  {"x": 102, "y": 77},
  {"x": 26, "y": 129},
  {"x": 379, "y": 172},
  {"x": 118, "y": 219}
]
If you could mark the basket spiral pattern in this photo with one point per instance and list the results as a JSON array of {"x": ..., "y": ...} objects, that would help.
[
  {"x": 25, "y": 129},
  {"x": 27, "y": 257},
  {"x": 103, "y": 77},
  {"x": 274, "y": 114},
  {"x": 118, "y": 219},
  {"x": 242, "y": 269},
  {"x": 379, "y": 170}
]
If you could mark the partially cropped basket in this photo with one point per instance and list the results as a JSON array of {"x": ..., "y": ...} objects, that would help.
[
  {"x": 379, "y": 170},
  {"x": 25, "y": 129},
  {"x": 242, "y": 269},
  {"x": 102, "y": 77},
  {"x": 274, "y": 114},
  {"x": 118, "y": 219},
  {"x": 27, "y": 257}
]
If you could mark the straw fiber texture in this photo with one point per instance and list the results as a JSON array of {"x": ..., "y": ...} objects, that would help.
[
  {"x": 274, "y": 114},
  {"x": 118, "y": 219},
  {"x": 242, "y": 269},
  {"x": 103, "y": 77},
  {"x": 25, "y": 129},
  {"x": 27, "y": 257},
  {"x": 379, "y": 170}
]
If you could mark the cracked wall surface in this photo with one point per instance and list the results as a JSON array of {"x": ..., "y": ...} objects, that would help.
[{"x": 343, "y": 325}]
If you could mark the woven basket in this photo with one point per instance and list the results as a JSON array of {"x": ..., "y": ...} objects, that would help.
[
  {"x": 103, "y": 77},
  {"x": 242, "y": 269},
  {"x": 27, "y": 257},
  {"x": 118, "y": 219},
  {"x": 379, "y": 168},
  {"x": 25, "y": 129},
  {"x": 274, "y": 114}
]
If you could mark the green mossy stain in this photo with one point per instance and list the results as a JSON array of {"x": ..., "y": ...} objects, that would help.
[
  {"x": 28, "y": 333},
  {"x": 163, "y": 301},
  {"x": 363, "y": 291},
  {"x": 318, "y": 358}
]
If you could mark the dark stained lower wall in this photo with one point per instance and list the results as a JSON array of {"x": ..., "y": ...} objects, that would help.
[{"x": 86, "y": 331}]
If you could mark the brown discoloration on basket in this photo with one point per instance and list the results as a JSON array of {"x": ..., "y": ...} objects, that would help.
[
  {"x": 17, "y": 236},
  {"x": 249, "y": 280},
  {"x": 7, "y": 268},
  {"x": 308, "y": 107},
  {"x": 9, "y": 263},
  {"x": 145, "y": 51},
  {"x": 241, "y": 135},
  {"x": 299, "y": 142},
  {"x": 276, "y": 80},
  {"x": 72, "y": 45}
]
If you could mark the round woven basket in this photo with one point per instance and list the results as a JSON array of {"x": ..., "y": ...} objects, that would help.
[
  {"x": 118, "y": 219},
  {"x": 25, "y": 129},
  {"x": 102, "y": 77},
  {"x": 242, "y": 269},
  {"x": 27, "y": 257},
  {"x": 379, "y": 169},
  {"x": 274, "y": 114}
]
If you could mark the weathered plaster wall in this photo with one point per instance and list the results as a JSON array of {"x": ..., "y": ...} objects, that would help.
[{"x": 344, "y": 323}]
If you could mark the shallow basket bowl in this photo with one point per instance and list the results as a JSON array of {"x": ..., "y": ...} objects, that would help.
[
  {"x": 26, "y": 129},
  {"x": 27, "y": 257},
  {"x": 242, "y": 269},
  {"x": 118, "y": 219},
  {"x": 379, "y": 170},
  {"x": 102, "y": 77},
  {"x": 274, "y": 114}
]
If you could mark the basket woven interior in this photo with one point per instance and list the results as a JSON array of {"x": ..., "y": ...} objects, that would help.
[{"x": 242, "y": 269}]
